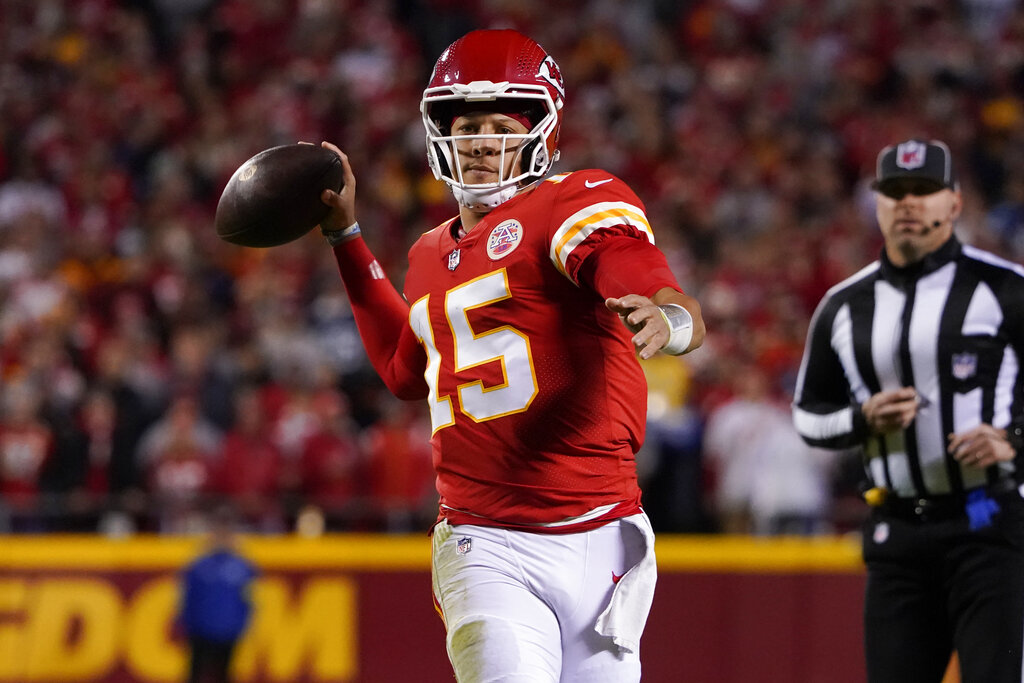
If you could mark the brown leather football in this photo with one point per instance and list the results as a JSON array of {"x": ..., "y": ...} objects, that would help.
[{"x": 274, "y": 197}]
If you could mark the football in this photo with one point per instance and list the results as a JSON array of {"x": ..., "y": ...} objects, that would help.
[{"x": 274, "y": 197}]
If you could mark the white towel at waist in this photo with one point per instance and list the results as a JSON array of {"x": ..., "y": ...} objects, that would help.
[{"x": 624, "y": 618}]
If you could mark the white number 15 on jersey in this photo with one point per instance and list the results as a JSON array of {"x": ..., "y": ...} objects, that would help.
[{"x": 504, "y": 344}]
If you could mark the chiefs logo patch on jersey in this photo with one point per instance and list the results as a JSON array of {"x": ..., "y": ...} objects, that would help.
[{"x": 504, "y": 239}]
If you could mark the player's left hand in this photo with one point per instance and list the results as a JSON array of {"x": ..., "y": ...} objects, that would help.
[
  {"x": 643, "y": 317},
  {"x": 980, "y": 447}
]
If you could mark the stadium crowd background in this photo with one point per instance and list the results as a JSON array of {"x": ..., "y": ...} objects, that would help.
[{"x": 149, "y": 370}]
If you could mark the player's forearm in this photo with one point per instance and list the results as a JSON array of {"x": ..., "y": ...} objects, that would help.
[{"x": 381, "y": 315}]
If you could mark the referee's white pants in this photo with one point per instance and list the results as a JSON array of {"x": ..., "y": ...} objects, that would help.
[{"x": 522, "y": 607}]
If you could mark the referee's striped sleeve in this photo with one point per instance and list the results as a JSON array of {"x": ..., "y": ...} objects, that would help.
[
  {"x": 824, "y": 412},
  {"x": 820, "y": 429}
]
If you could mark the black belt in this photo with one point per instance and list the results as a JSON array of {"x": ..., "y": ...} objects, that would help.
[{"x": 943, "y": 507}]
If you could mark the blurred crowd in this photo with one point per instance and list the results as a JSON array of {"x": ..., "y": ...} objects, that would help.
[{"x": 149, "y": 370}]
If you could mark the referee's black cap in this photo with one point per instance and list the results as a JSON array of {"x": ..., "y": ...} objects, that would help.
[{"x": 917, "y": 159}]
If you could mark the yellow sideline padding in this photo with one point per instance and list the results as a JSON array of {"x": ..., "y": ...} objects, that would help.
[{"x": 374, "y": 552}]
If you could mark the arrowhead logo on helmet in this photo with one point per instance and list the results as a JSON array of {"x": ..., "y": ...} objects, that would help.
[{"x": 550, "y": 72}]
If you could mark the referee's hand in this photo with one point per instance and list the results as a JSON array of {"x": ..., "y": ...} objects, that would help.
[
  {"x": 892, "y": 410},
  {"x": 980, "y": 447}
]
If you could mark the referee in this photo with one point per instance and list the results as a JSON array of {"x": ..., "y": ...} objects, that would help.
[{"x": 917, "y": 360}]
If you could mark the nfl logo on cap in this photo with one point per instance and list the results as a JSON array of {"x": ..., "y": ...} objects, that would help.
[
  {"x": 911, "y": 154},
  {"x": 919, "y": 160}
]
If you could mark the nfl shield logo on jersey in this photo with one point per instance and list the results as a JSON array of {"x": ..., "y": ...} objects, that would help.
[
  {"x": 910, "y": 155},
  {"x": 965, "y": 365},
  {"x": 503, "y": 240},
  {"x": 453, "y": 259},
  {"x": 464, "y": 545}
]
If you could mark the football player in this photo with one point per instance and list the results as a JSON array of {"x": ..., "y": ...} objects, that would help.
[{"x": 521, "y": 324}]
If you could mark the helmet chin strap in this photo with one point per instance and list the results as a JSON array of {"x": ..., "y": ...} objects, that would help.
[{"x": 482, "y": 199}]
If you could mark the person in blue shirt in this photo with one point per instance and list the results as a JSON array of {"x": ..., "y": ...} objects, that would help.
[{"x": 215, "y": 605}]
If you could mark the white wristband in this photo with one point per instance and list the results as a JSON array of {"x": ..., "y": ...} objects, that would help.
[
  {"x": 680, "y": 328},
  {"x": 336, "y": 237}
]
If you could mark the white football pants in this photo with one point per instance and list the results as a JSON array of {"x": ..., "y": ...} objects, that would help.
[{"x": 522, "y": 607}]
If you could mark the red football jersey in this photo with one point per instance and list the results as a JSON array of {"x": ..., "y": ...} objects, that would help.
[{"x": 536, "y": 398}]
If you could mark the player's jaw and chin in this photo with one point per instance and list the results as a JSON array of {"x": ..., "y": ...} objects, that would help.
[
  {"x": 479, "y": 174},
  {"x": 487, "y": 169}
]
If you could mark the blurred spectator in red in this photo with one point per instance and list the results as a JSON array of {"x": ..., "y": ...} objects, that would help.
[
  {"x": 179, "y": 483},
  {"x": 294, "y": 419},
  {"x": 400, "y": 473},
  {"x": 250, "y": 469},
  {"x": 179, "y": 454},
  {"x": 331, "y": 463},
  {"x": 26, "y": 448}
]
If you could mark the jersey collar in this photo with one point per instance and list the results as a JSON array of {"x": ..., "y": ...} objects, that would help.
[{"x": 949, "y": 251}]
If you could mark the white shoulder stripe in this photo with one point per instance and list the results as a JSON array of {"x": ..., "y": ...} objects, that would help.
[
  {"x": 992, "y": 259},
  {"x": 859, "y": 275},
  {"x": 584, "y": 222}
]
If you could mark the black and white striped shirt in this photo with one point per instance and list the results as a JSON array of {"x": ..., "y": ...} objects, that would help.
[{"x": 952, "y": 326}]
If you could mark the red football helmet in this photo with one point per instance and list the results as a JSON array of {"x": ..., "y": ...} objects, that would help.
[{"x": 494, "y": 70}]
